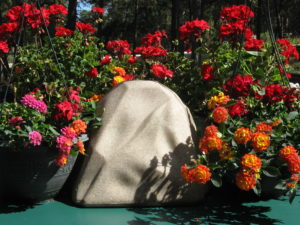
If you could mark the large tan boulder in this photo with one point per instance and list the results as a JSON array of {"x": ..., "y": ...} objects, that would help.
[{"x": 134, "y": 159}]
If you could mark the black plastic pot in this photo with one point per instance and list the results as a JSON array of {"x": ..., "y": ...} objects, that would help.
[{"x": 32, "y": 175}]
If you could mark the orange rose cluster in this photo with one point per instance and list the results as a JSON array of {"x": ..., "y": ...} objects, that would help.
[
  {"x": 210, "y": 141},
  {"x": 290, "y": 155},
  {"x": 246, "y": 178},
  {"x": 260, "y": 141},
  {"x": 200, "y": 174}
]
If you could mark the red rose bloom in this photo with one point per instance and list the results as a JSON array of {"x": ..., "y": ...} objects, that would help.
[
  {"x": 154, "y": 39},
  {"x": 132, "y": 60},
  {"x": 4, "y": 47},
  {"x": 98, "y": 10},
  {"x": 207, "y": 72},
  {"x": 66, "y": 110},
  {"x": 92, "y": 73},
  {"x": 57, "y": 9},
  {"x": 119, "y": 47},
  {"x": 236, "y": 12},
  {"x": 105, "y": 60},
  {"x": 161, "y": 71},
  {"x": 239, "y": 85},
  {"x": 273, "y": 93},
  {"x": 150, "y": 51},
  {"x": 63, "y": 32},
  {"x": 238, "y": 109},
  {"x": 195, "y": 27},
  {"x": 253, "y": 44},
  {"x": 85, "y": 28}
]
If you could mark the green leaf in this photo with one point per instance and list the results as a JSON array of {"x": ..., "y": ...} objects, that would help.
[
  {"x": 257, "y": 188},
  {"x": 292, "y": 196},
  {"x": 233, "y": 143},
  {"x": 216, "y": 180},
  {"x": 28, "y": 128},
  {"x": 53, "y": 131},
  {"x": 255, "y": 53},
  {"x": 271, "y": 171},
  {"x": 292, "y": 115}
]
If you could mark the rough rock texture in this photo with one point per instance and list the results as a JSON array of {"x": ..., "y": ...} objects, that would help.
[{"x": 135, "y": 157}]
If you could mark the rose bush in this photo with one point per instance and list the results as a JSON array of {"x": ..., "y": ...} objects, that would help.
[
  {"x": 238, "y": 86},
  {"x": 253, "y": 127}
]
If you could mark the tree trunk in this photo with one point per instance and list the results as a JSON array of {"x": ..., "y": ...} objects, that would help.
[
  {"x": 72, "y": 15},
  {"x": 135, "y": 23},
  {"x": 174, "y": 22},
  {"x": 258, "y": 18}
]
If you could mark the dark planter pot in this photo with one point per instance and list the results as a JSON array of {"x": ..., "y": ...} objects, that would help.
[{"x": 32, "y": 175}]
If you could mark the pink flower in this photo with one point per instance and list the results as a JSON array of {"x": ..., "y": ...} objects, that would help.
[
  {"x": 68, "y": 132},
  {"x": 35, "y": 138},
  {"x": 64, "y": 144},
  {"x": 15, "y": 121},
  {"x": 30, "y": 101}
]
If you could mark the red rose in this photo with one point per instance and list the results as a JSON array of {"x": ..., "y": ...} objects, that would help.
[
  {"x": 239, "y": 85},
  {"x": 57, "y": 9},
  {"x": 63, "y": 32},
  {"x": 119, "y": 47},
  {"x": 150, "y": 51},
  {"x": 132, "y": 60},
  {"x": 85, "y": 28},
  {"x": 4, "y": 47},
  {"x": 161, "y": 71},
  {"x": 207, "y": 72},
  {"x": 238, "y": 109},
  {"x": 105, "y": 60},
  {"x": 98, "y": 10},
  {"x": 253, "y": 44},
  {"x": 92, "y": 73}
]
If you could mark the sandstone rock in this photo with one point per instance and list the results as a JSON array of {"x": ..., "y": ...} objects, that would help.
[{"x": 134, "y": 159}]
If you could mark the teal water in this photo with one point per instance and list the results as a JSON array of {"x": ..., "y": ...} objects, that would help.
[{"x": 58, "y": 213}]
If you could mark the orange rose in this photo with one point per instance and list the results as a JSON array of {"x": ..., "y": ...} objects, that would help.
[
  {"x": 202, "y": 174},
  {"x": 251, "y": 161},
  {"x": 242, "y": 135},
  {"x": 287, "y": 151},
  {"x": 260, "y": 141},
  {"x": 211, "y": 130},
  {"x": 187, "y": 174},
  {"x": 245, "y": 181},
  {"x": 220, "y": 114}
]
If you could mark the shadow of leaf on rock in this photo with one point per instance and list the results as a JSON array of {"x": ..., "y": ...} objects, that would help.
[{"x": 161, "y": 183}]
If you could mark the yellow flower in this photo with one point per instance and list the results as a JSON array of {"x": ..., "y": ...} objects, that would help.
[
  {"x": 117, "y": 80},
  {"x": 95, "y": 98},
  {"x": 119, "y": 71},
  {"x": 217, "y": 100}
]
